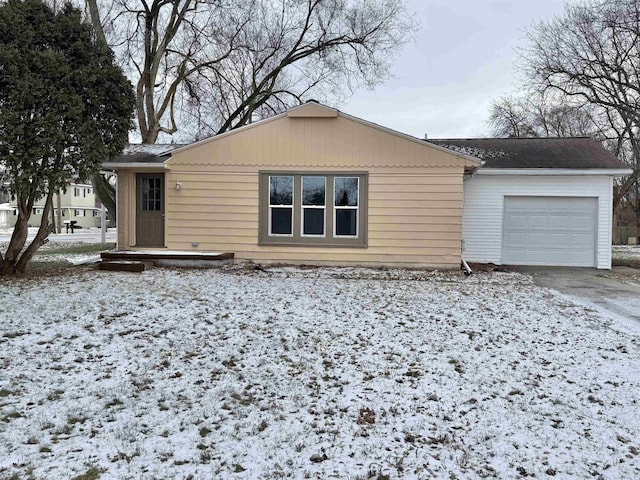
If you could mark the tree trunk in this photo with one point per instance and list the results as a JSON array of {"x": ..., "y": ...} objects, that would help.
[
  {"x": 40, "y": 238},
  {"x": 19, "y": 236},
  {"x": 7, "y": 268},
  {"x": 94, "y": 14},
  {"x": 53, "y": 217},
  {"x": 151, "y": 134},
  {"x": 106, "y": 194},
  {"x": 615, "y": 233}
]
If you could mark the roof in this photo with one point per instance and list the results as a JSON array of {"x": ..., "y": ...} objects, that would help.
[
  {"x": 554, "y": 153},
  {"x": 145, "y": 153}
]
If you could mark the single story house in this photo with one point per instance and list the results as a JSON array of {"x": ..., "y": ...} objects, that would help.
[{"x": 315, "y": 185}]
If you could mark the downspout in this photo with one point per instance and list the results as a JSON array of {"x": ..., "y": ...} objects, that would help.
[{"x": 463, "y": 263}]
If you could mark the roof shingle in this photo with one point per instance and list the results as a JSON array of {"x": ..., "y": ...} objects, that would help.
[{"x": 569, "y": 153}]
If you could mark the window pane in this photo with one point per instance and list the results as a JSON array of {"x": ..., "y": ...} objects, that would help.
[
  {"x": 281, "y": 221},
  {"x": 313, "y": 190},
  {"x": 346, "y": 222},
  {"x": 281, "y": 190},
  {"x": 151, "y": 189},
  {"x": 313, "y": 221},
  {"x": 346, "y": 194}
]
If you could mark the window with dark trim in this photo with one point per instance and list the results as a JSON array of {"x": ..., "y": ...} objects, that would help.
[{"x": 313, "y": 208}]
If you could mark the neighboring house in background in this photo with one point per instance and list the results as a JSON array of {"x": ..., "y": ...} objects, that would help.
[
  {"x": 6, "y": 211},
  {"x": 6, "y": 215},
  {"x": 78, "y": 204},
  {"x": 314, "y": 185}
]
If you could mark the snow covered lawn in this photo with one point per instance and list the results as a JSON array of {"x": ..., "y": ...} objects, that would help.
[
  {"x": 621, "y": 253},
  {"x": 317, "y": 373}
]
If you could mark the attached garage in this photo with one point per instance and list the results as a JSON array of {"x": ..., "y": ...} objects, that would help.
[
  {"x": 550, "y": 231},
  {"x": 538, "y": 201}
]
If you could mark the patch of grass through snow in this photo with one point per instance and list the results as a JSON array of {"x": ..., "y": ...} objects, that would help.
[{"x": 78, "y": 248}]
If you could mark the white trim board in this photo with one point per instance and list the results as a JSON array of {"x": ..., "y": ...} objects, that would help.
[
  {"x": 141, "y": 165},
  {"x": 614, "y": 172}
]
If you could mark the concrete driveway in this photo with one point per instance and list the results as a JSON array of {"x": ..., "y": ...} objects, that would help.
[{"x": 615, "y": 292}]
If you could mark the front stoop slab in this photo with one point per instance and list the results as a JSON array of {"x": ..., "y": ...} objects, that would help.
[{"x": 173, "y": 258}]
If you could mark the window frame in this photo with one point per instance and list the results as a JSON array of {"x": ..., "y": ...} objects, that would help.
[
  {"x": 271, "y": 207},
  {"x": 339, "y": 207},
  {"x": 304, "y": 207},
  {"x": 145, "y": 199},
  {"x": 297, "y": 238}
]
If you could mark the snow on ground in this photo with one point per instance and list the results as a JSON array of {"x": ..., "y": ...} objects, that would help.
[
  {"x": 317, "y": 373},
  {"x": 72, "y": 258},
  {"x": 625, "y": 252}
]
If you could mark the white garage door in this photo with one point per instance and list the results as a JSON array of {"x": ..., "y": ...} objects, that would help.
[{"x": 549, "y": 231}]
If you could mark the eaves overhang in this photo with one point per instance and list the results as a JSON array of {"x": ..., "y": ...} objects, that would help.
[{"x": 613, "y": 172}]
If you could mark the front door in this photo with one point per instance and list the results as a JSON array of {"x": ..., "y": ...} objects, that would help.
[{"x": 150, "y": 210}]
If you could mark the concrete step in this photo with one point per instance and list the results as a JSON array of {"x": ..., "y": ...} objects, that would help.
[
  {"x": 172, "y": 258},
  {"x": 121, "y": 266}
]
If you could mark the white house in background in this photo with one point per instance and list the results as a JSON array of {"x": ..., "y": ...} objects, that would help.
[
  {"x": 78, "y": 204},
  {"x": 538, "y": 201},
  {"x": 6, "y": 215}
]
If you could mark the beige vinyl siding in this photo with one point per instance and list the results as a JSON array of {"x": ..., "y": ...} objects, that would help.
[
  {"x": 409, "y": 225},
  {"x": 320, "y": 143},
  {"x": 124, "y": 204},
  {"x": 415, "y": 193}
]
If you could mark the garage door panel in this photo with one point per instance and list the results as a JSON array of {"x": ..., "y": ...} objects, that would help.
[
  {"x": 560, "y": 240},
  {"x": 516, "y": 238},
  {"x": 582, "y": 241},
  {"x": 581, "y": 222},
  {"x": 549, "y": 231},
  {"x": 517, "y": 221},
  {"x": 560, "y": 221},
  {"x": 512, "y": 254},
  {"x": 537, "y": 220},
  {"x": 535, "y": 239}
]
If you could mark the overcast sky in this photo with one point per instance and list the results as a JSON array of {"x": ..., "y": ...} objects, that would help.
[{"x": 462, "y": 58}]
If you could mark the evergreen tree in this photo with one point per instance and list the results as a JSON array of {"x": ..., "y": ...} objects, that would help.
[{"x": 65, "y": 108}]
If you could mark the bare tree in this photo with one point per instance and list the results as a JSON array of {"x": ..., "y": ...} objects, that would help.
[
  {"x": 534, "y": 115},
  {"x": 591, "y": 55},
  {"x": 207, "y": 66},
  {"x": 512, "y": 117}
]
